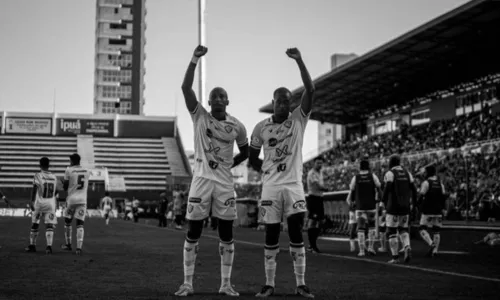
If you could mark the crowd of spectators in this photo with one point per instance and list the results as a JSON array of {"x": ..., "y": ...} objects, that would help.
[{"x": 468, "y": 144}]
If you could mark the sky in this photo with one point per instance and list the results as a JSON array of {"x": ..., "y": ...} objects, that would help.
[{"x": 50, "y": 45}]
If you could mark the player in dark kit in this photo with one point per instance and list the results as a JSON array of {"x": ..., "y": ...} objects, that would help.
[
  {"x": 314, "y": 201},
  {"x": 432, "y": 203},
  {"x": 364, "y": 189},
  {"x": 399, "y": 195}
]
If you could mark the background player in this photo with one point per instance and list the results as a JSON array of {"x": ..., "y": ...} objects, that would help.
[
  {"x": 282, "y": 137},
  {"x": 399, "y": 194},
  {"x": 76, "y": 182},
  {"x": 432, "y": 204},
  {"x": 315, "y": 208},
  {"x": 107, "y": 206},
  {"x": 212, "y": 183},
  {"x": 43, "y": 204},
  {"x": 382, "y": 228},
  {"x": 364, "y": 189}
]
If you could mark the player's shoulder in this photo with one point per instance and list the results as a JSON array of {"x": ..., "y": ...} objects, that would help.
[{"x": 263, "y": 123}]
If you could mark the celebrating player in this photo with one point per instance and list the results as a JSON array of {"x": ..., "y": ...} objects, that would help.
[
  {"x": 399, "y": 194},
  {"x": 363, "y": 191},
  {"x": 212, "y": 183},
  {"x": 282, "y": 137},
  {"x": 432, "y": 205},
  {"x": 76, "y": 182},
  {"x": 43, "y": 204},
  {"x": 107, "y": 206},
  {"x": 315, "y": 208}
]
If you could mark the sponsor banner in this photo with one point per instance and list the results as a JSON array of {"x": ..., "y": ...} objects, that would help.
[
  {"x": 83, "y": 126},
  {"x": 98, "y": 174},
  {"x": 23, "y": 212},
  {"x": 28, "y": 125}
]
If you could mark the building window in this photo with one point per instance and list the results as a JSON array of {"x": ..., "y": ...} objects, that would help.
[
  {"x": 117, "y": 76},
  {"x": 120, "y": 60},
  {"x": 118, "y": 26},
  {"x": 117, "y": 42},
  {"x": 116, "y": 10},
  {"x": 117, "y": 91}
]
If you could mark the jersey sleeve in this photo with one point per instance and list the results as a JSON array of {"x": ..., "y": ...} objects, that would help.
[
  {"x": 424, "y": 187},
  {"x": 376, "y": 180},
  {"x": 299, "y": 115},
  {"x": 352, "y": 185},
  {"x": 257, "y": 140},
  {"x": 198, "y": 113},
  {"x": 66, "y": 174},
  {"x": 241, "y": 138},
  {"x": 389, "y": 176},
  {"x": 36, "y": 180},
  {"x": 411, "y": 177}
]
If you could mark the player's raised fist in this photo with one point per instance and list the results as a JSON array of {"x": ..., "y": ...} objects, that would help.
[
  {"x": 200, "y": 51},
  {"x": 293, "y": 53}
]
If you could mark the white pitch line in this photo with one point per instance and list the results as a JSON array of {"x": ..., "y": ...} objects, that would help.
[{"x": 410, "y": 267}]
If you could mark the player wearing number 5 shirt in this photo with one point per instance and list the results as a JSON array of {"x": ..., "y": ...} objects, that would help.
[
  {"x": 283, "y": 197},
  {"x": 76, "y": 181},
  {"x": 43, "y": 205}
]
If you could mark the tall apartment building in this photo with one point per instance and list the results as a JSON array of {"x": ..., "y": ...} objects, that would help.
[{"x": 119, "y": 57}]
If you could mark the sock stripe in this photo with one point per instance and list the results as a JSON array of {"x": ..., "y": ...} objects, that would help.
[
  {"x": 49, "y": 229},
  {"x": 274, "y": 247},
  {"x": 296, "y": 245},
  {"x": 79, "y": 226},
  {"x": 227, "y": 243},
  {"x": 191, "y": 241}
]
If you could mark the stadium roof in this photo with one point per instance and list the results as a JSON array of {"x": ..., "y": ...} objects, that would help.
[{"x": 455, "y": 47}]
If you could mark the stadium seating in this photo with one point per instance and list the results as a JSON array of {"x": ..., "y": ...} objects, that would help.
[
  {"x": 19, "y": 157},
  {"x": 144, "y": 163}
]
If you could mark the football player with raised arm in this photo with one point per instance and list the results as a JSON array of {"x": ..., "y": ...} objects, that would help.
[
  {"x": 215, "y": 133},
  {"x": 281, "y": 136}
]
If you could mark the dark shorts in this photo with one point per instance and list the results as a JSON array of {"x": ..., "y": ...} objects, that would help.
[{"x": 315, "y": 208}]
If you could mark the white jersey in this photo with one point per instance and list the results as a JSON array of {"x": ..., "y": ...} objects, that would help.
[
  {"x": 214, "y": 145},
  {"x": 45, "y": 183},
  {"x": 282, "y": 145},
  {"x": 106, "y": 202},
  {"x": 78, "y": 178}
]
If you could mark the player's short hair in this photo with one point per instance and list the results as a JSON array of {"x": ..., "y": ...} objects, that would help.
[
  {"x": 217, "y": 89},
  {"x": 106, "y": 194},
  {"x": 430, "y": 170},
  {"x": 44, "y": 162},
  {"x": 75, "y": 158},
  {"x": 364, "y": 165},
  {"x": 281, "y": 90},
  {"x": 394, "y": 161}
]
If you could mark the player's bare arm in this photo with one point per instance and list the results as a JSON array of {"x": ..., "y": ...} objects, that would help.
[
  {"x": 253, "y": 157},
  {"x": 308, "y": 95},
  {"x": 33, "y": 197},
  {"x": 240, "y": 157},
  {"x": 187, "y": 84}
]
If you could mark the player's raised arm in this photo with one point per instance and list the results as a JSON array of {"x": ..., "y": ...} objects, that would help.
[
  {"x": 308, "y": 95},
  {"x": 187, "y": 84}
]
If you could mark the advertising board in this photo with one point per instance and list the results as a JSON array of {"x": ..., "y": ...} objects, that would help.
[
  {"x": 28, "y": 125},
  {"x": 84, "y": 126}
]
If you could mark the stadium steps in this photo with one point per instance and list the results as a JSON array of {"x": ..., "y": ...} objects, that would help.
[
  {"x": 174, "y": 157},
  {"x": 20, "y": 155},
  {"x": 141, "y": 162}
]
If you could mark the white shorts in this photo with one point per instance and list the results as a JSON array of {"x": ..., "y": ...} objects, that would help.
[
  {"x": 352, "y": 218},
  {"x": 45, "y": 209},
  {"x": 205, "y": 195},
  {"x": 278, "y": 202},
  {"x": 397, "y": 221},
  {"x": 106, "y": 211},
  {"x": 77, "y": 211},
  {"x": 431, "y": 220}
]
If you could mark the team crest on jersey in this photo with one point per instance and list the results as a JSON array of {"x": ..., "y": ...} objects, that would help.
[
  {"x": 288, "y": 124},
  {"x": 273, "y": 142},
  {"x": 213, "y": 164},
  {"x": 228, "y": 128},
  {"x": 81, "y": 212},
  {"x": 255, "y": 140},
  {"x": 51, "y": 217},
  {"x": 190, "y": 208},
  {"x": 262, "y": 211}
]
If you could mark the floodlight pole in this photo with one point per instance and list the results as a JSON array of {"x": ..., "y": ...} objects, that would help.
[{"x": 202, "y": 41}]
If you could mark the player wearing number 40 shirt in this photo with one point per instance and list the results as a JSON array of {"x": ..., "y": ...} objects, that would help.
[
  {"x": 399, "y": 195},
  {"x": 215, "y": 133},
  {"x": 43, "y": 205},
  {"x": 76, "y": 181},
  {"x": 283, "y": 197}
]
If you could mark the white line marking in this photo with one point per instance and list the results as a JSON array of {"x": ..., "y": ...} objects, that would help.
[{"x": 410, "y": 267}]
